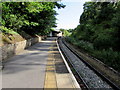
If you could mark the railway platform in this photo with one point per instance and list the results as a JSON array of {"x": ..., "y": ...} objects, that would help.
[{"x": 40, "y": 66}]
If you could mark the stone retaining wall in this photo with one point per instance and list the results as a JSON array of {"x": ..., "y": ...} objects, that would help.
[{"x": 9, "y": 50}]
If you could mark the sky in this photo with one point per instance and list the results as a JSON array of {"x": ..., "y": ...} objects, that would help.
[{"x": 68, "y": 17}]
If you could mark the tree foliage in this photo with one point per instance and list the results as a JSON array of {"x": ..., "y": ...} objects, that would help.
[
  {"x": 66, "y": 32},
  {"x": 31, "y": 17},
  {"x": 99, "y": 24},
  {"x": 99, "y": 31}
]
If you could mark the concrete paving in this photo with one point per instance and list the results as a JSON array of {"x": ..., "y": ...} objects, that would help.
[
  {"x": 35, "y": 68},
  {"x": 27, "y": 70}
]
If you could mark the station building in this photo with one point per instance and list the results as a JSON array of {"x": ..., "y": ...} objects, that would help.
[{"x": 55, "y": 34}]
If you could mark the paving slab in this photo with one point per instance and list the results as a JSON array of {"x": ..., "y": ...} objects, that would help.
[
  {"x": 64, "y": 79},
  {"x": 27, "y": 70},
  {"x": 40, "y": 66}
]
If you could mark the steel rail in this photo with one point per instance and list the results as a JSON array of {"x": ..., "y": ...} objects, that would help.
[
  {"x": 87, "y": 87},
  {"x": 114, "y": 86}
]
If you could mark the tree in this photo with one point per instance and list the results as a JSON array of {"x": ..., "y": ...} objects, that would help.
[{"x": 31, "y": 17}]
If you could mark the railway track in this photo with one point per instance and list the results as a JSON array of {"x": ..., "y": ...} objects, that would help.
[{"x": 83, "y": 71}]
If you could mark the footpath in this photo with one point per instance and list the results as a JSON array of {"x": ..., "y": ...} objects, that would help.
[{"x": 39, "y": 66}]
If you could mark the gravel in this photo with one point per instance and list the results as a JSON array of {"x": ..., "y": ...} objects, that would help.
[{"x": 89, "y": 76}]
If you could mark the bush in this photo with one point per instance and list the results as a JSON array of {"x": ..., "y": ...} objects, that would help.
[
  {"x": 85, "y": 45},
  {"x": 81, "y": 44},
  {"x": 109, "y": 57},
  {"x": 103, "y": 41},
  {"x": 70, "y": 40}
]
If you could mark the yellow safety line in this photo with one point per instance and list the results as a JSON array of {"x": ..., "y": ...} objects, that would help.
[{"x": 50, "y": 78}]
